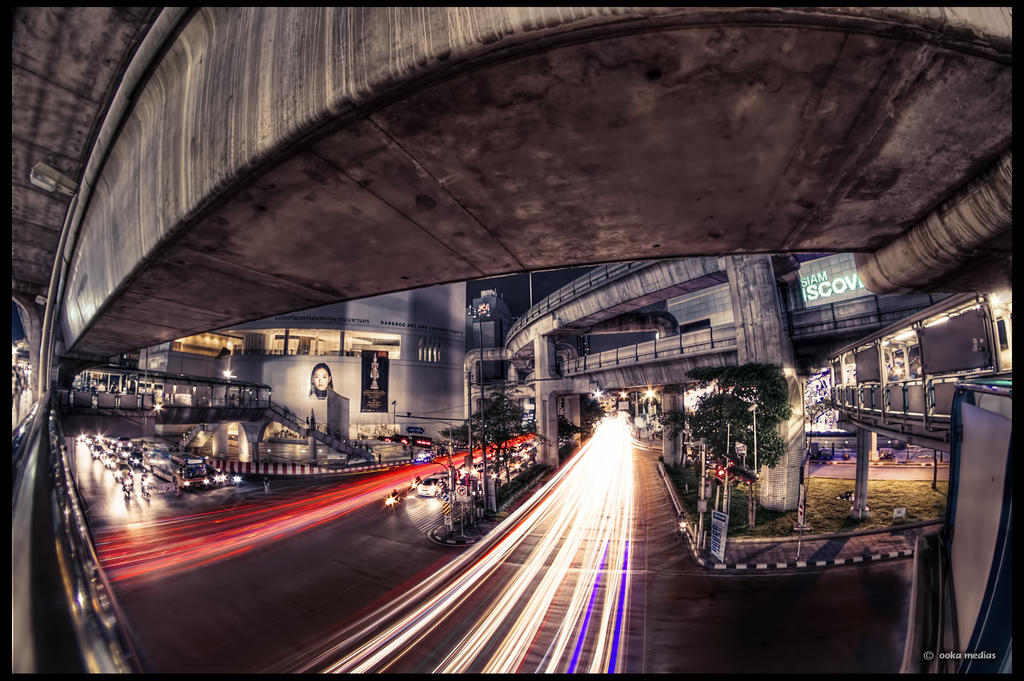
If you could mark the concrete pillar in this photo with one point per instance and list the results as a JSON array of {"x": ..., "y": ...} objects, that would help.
[
  {"x": 571, "y": 405},
  {"x": 761, "y": 338},
  {"x": 220, "y": 441},
  {"x": 866, "y": 441},
  {"x": 672, "y": 447},
  {"x": 249, "y": 436},
  {"x": 867, "y": 444},
  {"x": 547, "y": 402},
  {"x": 312, "y": 449}
]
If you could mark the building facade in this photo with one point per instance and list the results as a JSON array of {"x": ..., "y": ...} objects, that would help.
[{"x": 358, "y": 367}]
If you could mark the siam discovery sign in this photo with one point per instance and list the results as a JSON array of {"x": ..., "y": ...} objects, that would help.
[{"x": 818, "y": 285}]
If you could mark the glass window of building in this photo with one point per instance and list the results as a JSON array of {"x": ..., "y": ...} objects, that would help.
[
  {"x": 357, "y": 341},
  {"x": 209, "y": 344}
]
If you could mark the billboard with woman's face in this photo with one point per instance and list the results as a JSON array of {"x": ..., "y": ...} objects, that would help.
[{"x": 320, "y": 381}]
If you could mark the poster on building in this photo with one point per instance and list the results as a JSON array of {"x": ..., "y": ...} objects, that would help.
[
  {"x": 375, "y": 381},
  {"x": 719, "y": 528}
]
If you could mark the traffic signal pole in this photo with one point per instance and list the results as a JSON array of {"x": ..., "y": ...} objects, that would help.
[{"x": 702, "y": 504}]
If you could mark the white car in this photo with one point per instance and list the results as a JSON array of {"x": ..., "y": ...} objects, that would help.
[{"x": 429, "y": 487}]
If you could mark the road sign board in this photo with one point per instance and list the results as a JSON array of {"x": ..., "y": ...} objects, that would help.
[
  {"x": 719, "y": 529},
  {"x": 461, "y": 493},
  {"x": 414, "y": 430},
  {"x": 741, "y": 448}
]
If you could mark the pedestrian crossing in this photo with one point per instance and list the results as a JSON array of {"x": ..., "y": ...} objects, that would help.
[{"x": 424, "y": 512}]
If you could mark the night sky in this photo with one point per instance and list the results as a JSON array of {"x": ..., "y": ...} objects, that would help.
[
  {"x": 515, "y": 288},
  {"x": 17, "y": 333}
]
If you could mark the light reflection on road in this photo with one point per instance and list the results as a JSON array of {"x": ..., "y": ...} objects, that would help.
[{"x": 559, "y": 572}]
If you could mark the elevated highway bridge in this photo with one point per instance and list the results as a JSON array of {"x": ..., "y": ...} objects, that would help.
[{"x": 219, "y": 165}]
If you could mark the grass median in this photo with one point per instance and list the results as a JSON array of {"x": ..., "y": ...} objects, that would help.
[{"x": 823, "y": 512}]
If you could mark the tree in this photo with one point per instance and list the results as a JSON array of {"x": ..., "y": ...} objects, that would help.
[
  {"x": 457, "y": 434},
  {"x": 502, "y": 422},
  {"x": 591, "y": 413},
  {"x": 724, "y": 416},
  {"x": 728, "y": 404}
]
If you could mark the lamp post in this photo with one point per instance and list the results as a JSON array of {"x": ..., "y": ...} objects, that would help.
[
  {"x": 752, "y": 512},
  {"x": 489, "y": 502},
  {"x": 753, "y": 408}
]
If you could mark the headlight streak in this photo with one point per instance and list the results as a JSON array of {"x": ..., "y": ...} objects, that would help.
[
  {"x": 586, "y": 620},
  {"x": 582, "y": 517}
]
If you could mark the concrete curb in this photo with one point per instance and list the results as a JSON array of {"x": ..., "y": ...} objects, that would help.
[
  {"x": 451, "y": 541},
  {"x": 745, "y": 567}
]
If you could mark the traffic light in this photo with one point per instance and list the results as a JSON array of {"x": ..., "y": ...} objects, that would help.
[
  {"x": 741, "y": 473},
  {"x": 720, "y": 471}
]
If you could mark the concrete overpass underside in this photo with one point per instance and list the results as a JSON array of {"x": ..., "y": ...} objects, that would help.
[{"x": 274, "y": 159}]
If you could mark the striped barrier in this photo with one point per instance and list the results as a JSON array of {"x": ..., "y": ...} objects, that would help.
[{"x": 279, "y": 468}]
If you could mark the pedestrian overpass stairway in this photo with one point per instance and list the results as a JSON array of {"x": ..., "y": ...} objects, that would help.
[{"x": 321, "y": 433}]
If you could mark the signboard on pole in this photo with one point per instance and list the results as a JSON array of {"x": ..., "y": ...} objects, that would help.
[
  {"x": 446, "y": 509},
  {"x": 741, "y": 449},
  {"x": 719, "y": 529},
  {"x": 414, "y": 430},
  {"x": 461, "y": 493}
]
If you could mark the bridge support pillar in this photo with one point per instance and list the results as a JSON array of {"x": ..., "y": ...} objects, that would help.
[
  {"x": 866, "y": 441},
  {"x": 249, "y": 436},
  {"x": 220, "y": 441},
  {"x": 761, "y": 338},
  {"x": 867, "y": 444},
  {"x": 547, "y": 402},
  {"x": 571, "y": 408},
  {"x": 671, "y": 447}
]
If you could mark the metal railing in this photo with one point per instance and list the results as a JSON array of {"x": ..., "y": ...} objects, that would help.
[
  {"x": 592, "y": 279},
  {"x": 849, "y": 315},
  {"x": 64, "y": 614},
  {"x": 87, "y": 399},
  {"x": 321, "y": 432},
  {"x": 694, "y": 342},
  {"x": 925, "y": 403}
]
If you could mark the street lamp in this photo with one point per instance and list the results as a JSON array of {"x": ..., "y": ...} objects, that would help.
[
  {"x": 488, "y": 499},
  {"x": 753, "y": 408}
]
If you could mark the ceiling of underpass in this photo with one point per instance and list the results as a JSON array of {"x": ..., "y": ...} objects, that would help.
[
  {"x": 701, "y": 139},
  {"x": 65, "y": 64}
]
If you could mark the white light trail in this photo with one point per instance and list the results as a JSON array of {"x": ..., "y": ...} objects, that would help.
[{"x": 561, "y": 565}]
